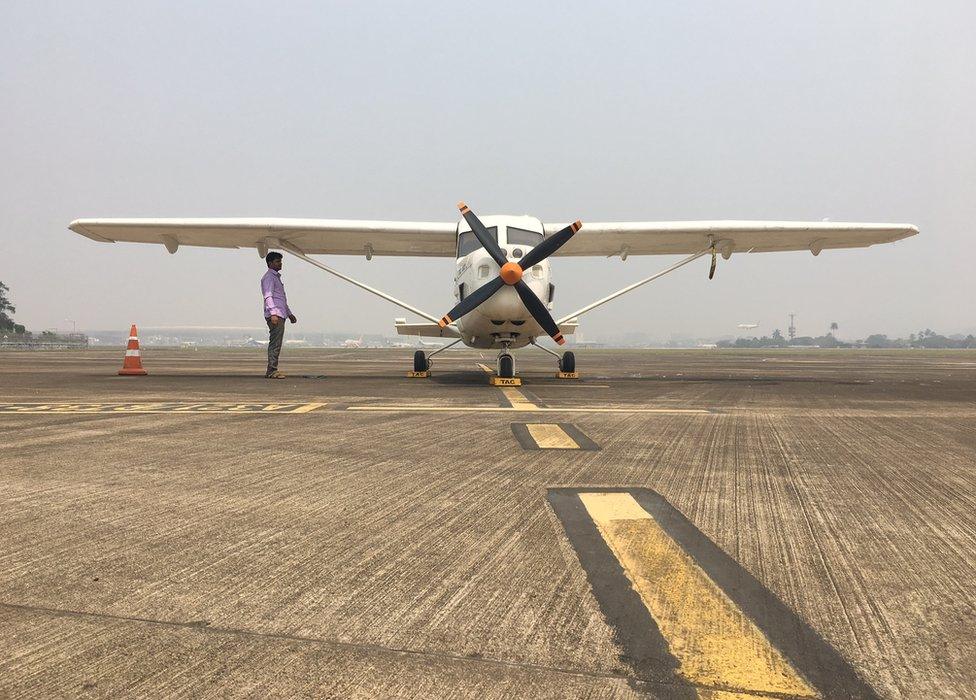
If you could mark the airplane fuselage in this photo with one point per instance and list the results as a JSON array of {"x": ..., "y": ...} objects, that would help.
[{"x": 503, "y": 319}]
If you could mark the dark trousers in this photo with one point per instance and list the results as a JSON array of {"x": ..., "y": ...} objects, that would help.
[{"x": 275, "y": 335}]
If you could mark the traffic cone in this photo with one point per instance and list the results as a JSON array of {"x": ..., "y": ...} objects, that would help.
[{"x": 132, "y": 364}]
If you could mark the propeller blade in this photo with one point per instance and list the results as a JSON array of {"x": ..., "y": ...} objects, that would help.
[
  {"x": 539, "y": 311},
  {"x": 472, "y": 301},
  {"x": 711, "y": 269},
  {"x": 481, "y": 233},
  {"x": 549, "y": 245}
]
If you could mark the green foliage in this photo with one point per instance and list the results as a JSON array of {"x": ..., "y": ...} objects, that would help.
[
  {"x": 879, "y": 340},
  {"x": 923, "y": 339},
  {"x": 6, "y": 321}
]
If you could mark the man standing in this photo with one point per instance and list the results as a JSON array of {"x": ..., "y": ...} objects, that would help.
[{"x": 275, "y": 312}]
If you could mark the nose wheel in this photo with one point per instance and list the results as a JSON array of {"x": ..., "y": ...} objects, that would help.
[{"x": 506, "y": 365}]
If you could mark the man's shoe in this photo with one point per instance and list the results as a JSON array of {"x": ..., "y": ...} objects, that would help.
[{"x": 275, "y": 375}]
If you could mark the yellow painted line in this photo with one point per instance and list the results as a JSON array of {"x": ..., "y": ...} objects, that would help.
[
  {"x": 540, "y": 409},
  {"x": 486, "y": 368},
  {"x": 716, "y": 645},
  {"x": 519, "y": 401},
  {"x": 550, "y": 436},
  {"x": 307, "y": 407}
]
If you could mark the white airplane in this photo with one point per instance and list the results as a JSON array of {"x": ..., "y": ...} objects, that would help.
[
  {"x": 503, "y": 278},
  {"x": 352, "y": 342},
  {"x": 748, "y": 326},
  {"x": 252, "y": 343}
]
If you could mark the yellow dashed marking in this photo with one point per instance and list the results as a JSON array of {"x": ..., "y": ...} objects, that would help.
[
  {"x": 307, "y": 407},
  {"x": 519, "y": 401},
  {"x": 160, "y": 407},
  {"x": 550, "y": 436},
  {"x": 716, "y": 645}
]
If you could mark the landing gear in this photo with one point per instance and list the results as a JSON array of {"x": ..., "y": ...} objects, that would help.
[
  {"x": 506, "y": 365},
  {"x": 567, "y": 362},
  {"x": 420, "y": 361}
]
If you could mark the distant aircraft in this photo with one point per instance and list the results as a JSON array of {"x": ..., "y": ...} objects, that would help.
[
  {"x": 502, "y": 276},
  {"x": 352, "y": 342},
  {"x": 420, "y": 342},
  {"x": 252, "y": 343},
  {"x": 748, "y": 326}
]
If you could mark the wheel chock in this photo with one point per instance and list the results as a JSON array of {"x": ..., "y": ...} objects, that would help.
[
  {"x": 567, "y": 375},
  {"x": 419, "y": 375},
  {"x": 505, "y": 381}
]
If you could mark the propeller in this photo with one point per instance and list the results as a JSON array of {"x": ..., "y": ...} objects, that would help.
[{"x": 511, "y": 274}]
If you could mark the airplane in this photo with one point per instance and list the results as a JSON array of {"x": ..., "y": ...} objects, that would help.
[
  {"x": 250, "y": 342},
  {"x": 420, "y": 341},
  {"x": 352, "y": 342},
  {"x": 748, "y": 326},
  {"x": 425, "y": 344},
  {"x": 502, "y": 273}
]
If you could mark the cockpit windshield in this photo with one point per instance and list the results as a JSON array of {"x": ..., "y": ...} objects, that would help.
[
  {"x": 519, "y": 236},
  {"x": 468, "y": 242}
]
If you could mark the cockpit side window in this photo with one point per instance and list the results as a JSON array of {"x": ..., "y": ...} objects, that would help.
[
  {"x": 519, "y": 236},
  {"x": 468, "y": 242}
]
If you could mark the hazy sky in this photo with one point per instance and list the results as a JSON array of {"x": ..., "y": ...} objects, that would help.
[{"x": 858, "y": 111}]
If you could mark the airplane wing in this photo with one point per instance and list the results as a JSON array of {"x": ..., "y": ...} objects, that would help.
[
  {"x": 426, "y": 330},
  {"x": 688, "y": 237},
  {"x": 332, "y": 236},
  {"x": 434, "y": 239}
]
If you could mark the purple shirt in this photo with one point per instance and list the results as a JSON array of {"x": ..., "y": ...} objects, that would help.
[{"x": 273, "y": 291}]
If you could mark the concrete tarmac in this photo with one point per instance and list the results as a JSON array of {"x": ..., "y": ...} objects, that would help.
[{"x": 714, "y": 524}]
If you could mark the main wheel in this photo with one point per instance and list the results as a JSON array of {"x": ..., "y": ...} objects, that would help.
[
  {"x": 568, "y": 363},
  {"x": 420, "y": 362},
  {"x": 506, "y": 366}
]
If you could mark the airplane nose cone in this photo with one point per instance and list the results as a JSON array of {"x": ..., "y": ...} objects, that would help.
[{"x": 511, "y": 273}]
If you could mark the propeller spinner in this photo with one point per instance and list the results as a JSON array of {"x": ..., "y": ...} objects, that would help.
[{"x": 511, "y": 274}]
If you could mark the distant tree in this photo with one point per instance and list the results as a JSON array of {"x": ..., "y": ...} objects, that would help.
[
  {"x": 5, "y": 306},
  {"x": 777, "y": 335},
  {"x": 6, "y": 321},
  {"x": 879, "y": 340},
  {"x": 833, "y": 327}
]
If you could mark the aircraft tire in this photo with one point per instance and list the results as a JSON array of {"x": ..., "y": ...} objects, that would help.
[
  {"x": 568, "y": 363},
  {"x": 506, "y": 366},
  {"x": 420, "y": 363}
]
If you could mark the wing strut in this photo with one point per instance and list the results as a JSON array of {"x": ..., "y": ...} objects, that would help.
[
  {"x": 635, "y": 285},
  {"x": 289, "y": 248}
]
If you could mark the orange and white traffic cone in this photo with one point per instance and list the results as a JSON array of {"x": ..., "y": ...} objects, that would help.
[{"x": 132, "y": 364}]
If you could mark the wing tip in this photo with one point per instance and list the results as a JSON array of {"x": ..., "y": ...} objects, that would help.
[{"x": 79, "y": 226}]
